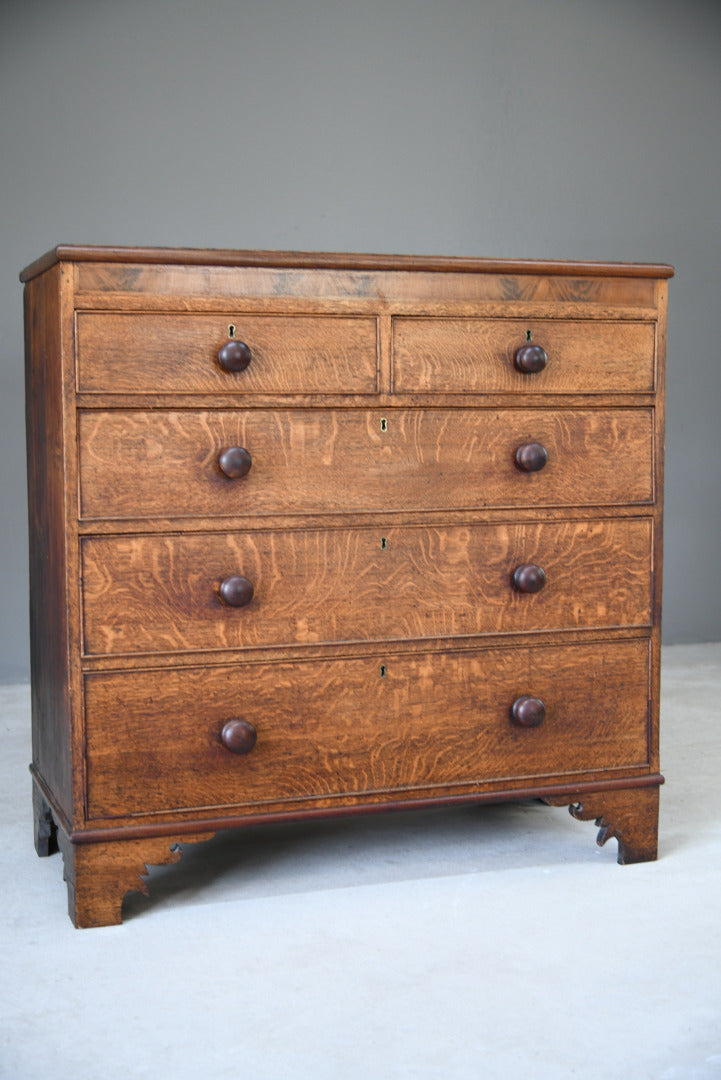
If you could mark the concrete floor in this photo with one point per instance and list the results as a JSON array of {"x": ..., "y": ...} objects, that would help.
[{"x": 481, "y": 944}]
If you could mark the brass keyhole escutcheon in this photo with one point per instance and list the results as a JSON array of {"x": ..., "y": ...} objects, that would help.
[
  {"x": 529, "y": 335},
  {"x": 231, "y": 330},
  {"x": 384, "y": 542},
  {"x": 384, "y": 424},
  {"x": 384, "y": 671}
]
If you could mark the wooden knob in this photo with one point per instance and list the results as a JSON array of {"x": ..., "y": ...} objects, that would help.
[
  {"x": 531, "y": 456},
  {"x": 528, "y": 711},
  {"x": 529, "y": 578},
  {"x": 236, "y": 591},
  {"x": 234, "y": 356},
  {"x": 238, "y": 736},
  {"x": 235, "y": 462},
  {"x": 530, "y": 358}
]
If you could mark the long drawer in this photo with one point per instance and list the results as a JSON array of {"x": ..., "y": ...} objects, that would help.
[
  {"x": 477, "y": 356},
  {"x": 288, "y": 354},
  {"x": 145, "y": 594},
  {"x": 376, "y": 727},
  {"x": 162, "y": 463}
]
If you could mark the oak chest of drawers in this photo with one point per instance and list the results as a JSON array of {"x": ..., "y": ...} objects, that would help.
[{"x": 324, "y": 534}]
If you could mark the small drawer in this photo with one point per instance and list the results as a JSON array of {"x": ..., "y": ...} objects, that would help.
[
  {"x": 482, "y": 356},
  {"x": 260, "y": 737},
  {"x": 155, "y": 594},
  {"x": 293, "y": 354},
  {"x": 167, "y": 464}
]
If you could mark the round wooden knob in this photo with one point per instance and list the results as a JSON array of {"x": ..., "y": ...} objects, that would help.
[
  {"x": 529, "y": 578},
  {"x": 530, "y": 358},
  {"x": 528, "y": 711},
  {"x": 234, "y": 356},
  {"x": 236, "y": 591},
  {"x": 531, "y": 456},
  {"x": 235, "y": 462},
  {"x": 238, "y": 736}
]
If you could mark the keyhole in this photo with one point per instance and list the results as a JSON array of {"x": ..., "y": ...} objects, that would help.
[
  {"x": 384, "y": 542},
  {"x": 384, "y": 424},
  {"x": 231, "y": 330},
  {"x": 529, "y": 335},
  {"x": 384, "y": 671}
]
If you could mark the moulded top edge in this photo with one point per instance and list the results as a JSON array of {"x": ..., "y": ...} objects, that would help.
[{"x": 308, "y": 260}]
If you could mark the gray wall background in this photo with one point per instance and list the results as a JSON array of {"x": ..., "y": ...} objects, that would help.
[{"x": 530, "y": 128}]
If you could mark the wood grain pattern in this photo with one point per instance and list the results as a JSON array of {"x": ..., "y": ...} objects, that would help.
[
  {"x": 99, "y": 876},
  {"x": 331, "y": 727},
  {"x": 631, "y": 816},
  {"x": 160, "y": 593},
  {"x": 50, "y": 631},
  {"x": 168, "y": 257},
  {"x": 127, "y": 353},
  {"x": 476, "y": 355},
  {"x": 377, "y": 515},
  {"x": 110, "y": 285},
  {"x": 135, "y": 464}
]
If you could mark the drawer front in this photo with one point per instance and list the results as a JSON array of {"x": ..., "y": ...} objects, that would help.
[
  {"x": 295, "y": 354},
  {"x": 477, "y": 356},
  {"x": 350, "y": 727},
  {"x": 146, "y": 594},
  {"x": 165, "y": 464}
]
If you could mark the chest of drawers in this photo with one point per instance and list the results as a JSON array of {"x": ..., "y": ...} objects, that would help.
[{"x": 323, "y": 534}]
